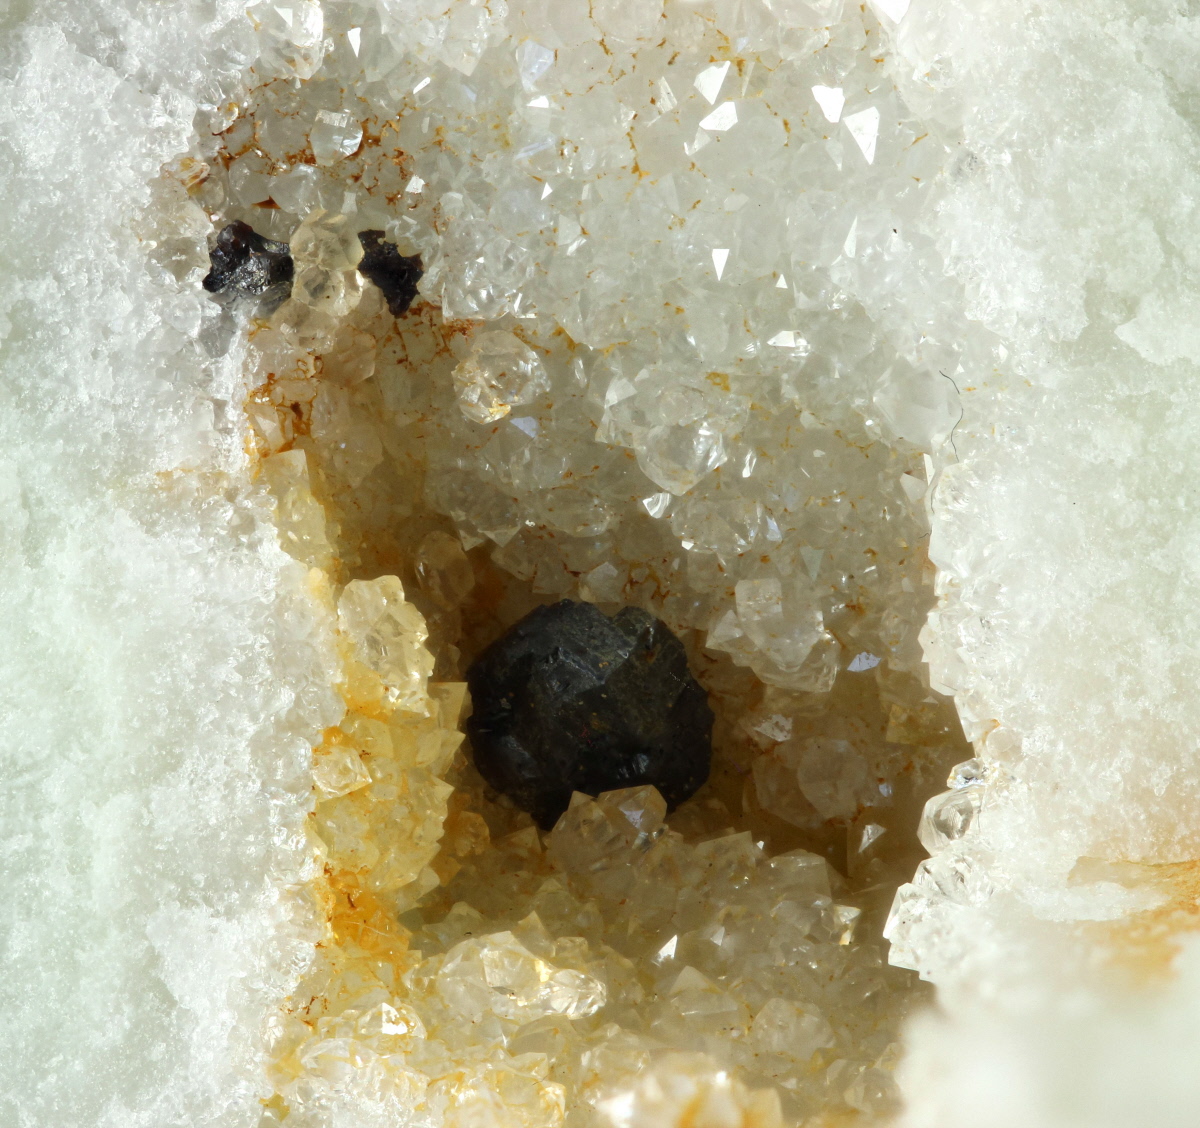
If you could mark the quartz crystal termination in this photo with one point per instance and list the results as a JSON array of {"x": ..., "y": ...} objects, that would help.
[
  {"x": 246, "y": 263},
  {"x": 572, "y": 700},
  {"x": 395, "y": 274}
]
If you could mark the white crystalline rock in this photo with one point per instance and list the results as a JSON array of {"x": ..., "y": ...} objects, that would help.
[
  {"x": 1065, "y": 542},
  {"x": 166, "y": 668},
  {"x": 1108, "y": 1060},
  {"x": 687, "y": 1089}
]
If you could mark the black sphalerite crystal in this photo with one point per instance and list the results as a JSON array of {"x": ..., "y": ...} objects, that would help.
[
  {"x": 571, "y": 700},
  {"x": 395, "y": 274},
  {"x": 246, "y": 263}
]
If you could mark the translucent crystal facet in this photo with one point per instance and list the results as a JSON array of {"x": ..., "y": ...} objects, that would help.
[
  {"x": 497, "y": 974},
  {"x": 388, "y": 636},
  {"x": 947, "y": 817},
  {"x": 500, "y": 374}
]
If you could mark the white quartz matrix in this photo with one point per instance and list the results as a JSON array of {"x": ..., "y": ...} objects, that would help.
[{"x": 855, "y": 340}]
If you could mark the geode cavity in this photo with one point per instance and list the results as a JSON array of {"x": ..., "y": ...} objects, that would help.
[{"x": 571, "y": 700}]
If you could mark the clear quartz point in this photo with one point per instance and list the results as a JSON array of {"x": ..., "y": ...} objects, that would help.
[
  {"x": 970, "y": 773},
  {"x": 500, "y": 373},
  {"x": 948, "y": 816}
]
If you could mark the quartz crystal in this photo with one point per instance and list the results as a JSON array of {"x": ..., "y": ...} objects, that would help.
[
  {"x": 501, "y": 373},
  {"x": 497, "y": 974},
  {"x": 571, "y": 700},
  {"x": 388, "y": 636}
]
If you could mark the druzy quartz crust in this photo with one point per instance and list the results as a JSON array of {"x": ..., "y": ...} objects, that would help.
[{"x": 572, "y": 700}]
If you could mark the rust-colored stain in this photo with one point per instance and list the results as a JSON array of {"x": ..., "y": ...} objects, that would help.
[
  {"x": 358, "y": 916},
  {"x": 1142, "y": 946}
]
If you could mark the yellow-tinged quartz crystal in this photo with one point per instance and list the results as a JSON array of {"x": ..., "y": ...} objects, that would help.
[
  {"x": 299, "y": 516},
  {"x": 388, "y": 636}
]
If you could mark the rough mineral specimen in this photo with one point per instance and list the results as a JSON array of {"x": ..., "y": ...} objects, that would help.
[
  {"x": 571, "y": 700},
  {"x": 243, "y": 262},
  {"x": 395, "y": 274},
  {"x": 750, "y": 314}
]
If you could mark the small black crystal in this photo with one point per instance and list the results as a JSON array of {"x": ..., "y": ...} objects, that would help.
[
  {"x": 395, "y": 274},
  {"x": 243, "y": 262},
  {"x": 571, "y": 700}
]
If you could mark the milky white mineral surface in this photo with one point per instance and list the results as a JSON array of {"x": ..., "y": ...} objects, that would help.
[{"x": 854, "y": 341}]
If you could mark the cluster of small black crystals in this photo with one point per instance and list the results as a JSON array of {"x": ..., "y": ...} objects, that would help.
[
  {"x": 571, "y": 700},
  {"x": 245, "y": 263},
  {"x": 395, "y": 274}
]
